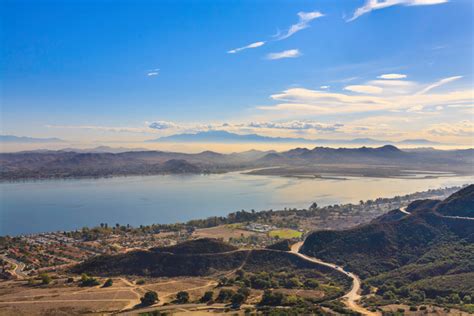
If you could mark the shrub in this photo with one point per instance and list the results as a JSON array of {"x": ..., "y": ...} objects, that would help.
[
  {"x": 108, "y": 283},
  {"x": 389, "y": 295},
  {"x": 140, "y": 282},
  {"x": 150, "y": 298},
  {"x": 293, "y": 283},
  {"x": 245, "y": 291},
  {"x": 454, "y": 298},
  {"x": 88, "y": 281},
  {"x": 311, "y": 284},
  {"x": 207, "y": 297},
  {"x": 70, "y": 280},
  {"x": 45, "y": 278}
]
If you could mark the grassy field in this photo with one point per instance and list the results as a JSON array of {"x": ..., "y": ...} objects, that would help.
[{"x": 285, "y": 233}]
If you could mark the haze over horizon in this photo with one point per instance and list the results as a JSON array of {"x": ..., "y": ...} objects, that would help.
[{"x": 121, "y": 75}]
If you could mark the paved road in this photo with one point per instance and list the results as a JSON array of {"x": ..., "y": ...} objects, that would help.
[{"x": 352, "y": 297}]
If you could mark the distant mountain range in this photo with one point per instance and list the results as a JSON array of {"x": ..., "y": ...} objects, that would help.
[
  {"x": 103, "y": 149},
  {"x": 24, "y": 139},
  {"x": 100, "y": 162},
  {"x": 227, "y": 137}
]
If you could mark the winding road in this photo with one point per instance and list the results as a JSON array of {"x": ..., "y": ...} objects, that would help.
[
  {"x": 352, "y": 297},
  {"x": 404, "y": 210},
  {"x": 18, "y": 267}
]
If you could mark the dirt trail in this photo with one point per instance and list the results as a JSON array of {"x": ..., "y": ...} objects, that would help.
[{"x": 352, "y": 297}]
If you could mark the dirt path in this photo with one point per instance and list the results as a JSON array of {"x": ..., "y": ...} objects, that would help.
[
  {"x": 18, "y": 267},
  {"x": 352, "y": 297},
  {"x": 404, "y": 210}
]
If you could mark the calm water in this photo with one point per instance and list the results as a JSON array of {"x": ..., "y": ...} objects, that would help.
[{"x": 37, "y": 206}]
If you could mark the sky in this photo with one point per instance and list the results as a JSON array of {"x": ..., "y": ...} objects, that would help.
[{"x": 112, "y": 72}]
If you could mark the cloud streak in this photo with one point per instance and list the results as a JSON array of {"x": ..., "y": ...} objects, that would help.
[
  {"x": 253, "y": 45},
  {"x": 392, "y": 76},
  {"x": 304, "y": 19},
  {"x": 439, "y": 83},
  {"x": 376, "y": 96},
  {"x": 372, "y": 5},
  {"x": 153, "y": 72},
  {"x": 291, "y": 53}
]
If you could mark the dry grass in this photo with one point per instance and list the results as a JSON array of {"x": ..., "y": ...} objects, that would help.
[{"x": 224, "y": 231}]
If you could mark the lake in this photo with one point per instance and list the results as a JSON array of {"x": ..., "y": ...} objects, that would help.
[{"x": 50, "y": 205}]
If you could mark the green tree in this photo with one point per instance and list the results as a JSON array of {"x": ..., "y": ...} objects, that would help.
[
  {"x": 237, "y": 300},
  {"x": 150, "y": 298},
  {"x": 182, "y": 297}
]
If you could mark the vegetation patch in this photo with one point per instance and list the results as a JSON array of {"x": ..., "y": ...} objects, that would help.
[{"x": 285, "y": 233}]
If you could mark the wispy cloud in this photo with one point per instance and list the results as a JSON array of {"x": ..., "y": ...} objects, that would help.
[
  {"x": 439, "y": 83},
  {"x": 291, "y": 53},
  {"x": 153, "y": 72},
  {"x": 116, "y": 129},
  {"x": 463, "y": 128},
  {"x": 364, "y": 89},
  {"x": 304, "y": 19},
  {"x": 374, "y": 97},
  {"x": 253, "y": 45},
  {"x": 392, "y": 76},
  {"x": 372, "y": 5}
]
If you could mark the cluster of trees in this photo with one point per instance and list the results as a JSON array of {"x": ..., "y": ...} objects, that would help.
[
  {"x": 87, "y": 280},
  {"x": 236, "y": 298},
  {"x": 390, "y": 293},
  {"x": 267, "y": 280}
]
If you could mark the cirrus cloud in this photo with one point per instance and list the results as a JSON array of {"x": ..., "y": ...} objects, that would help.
[
  {"x": 372, "y": 5},
  {"x": 304, "y": 19},
  {"x": 253, "y": 45},
  {"x": 392, "y": 76},
  {"x": 364, "y": 89},
  {"x": 291, "y": 53}
]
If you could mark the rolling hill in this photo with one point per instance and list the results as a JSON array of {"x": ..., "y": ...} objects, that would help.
[
  {"x": 200, "y": 257},
  {"x": 417, "y": 250}
]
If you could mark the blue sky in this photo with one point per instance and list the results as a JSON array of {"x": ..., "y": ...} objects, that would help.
[{"x": 107, "y": 70}]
